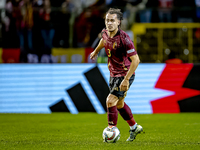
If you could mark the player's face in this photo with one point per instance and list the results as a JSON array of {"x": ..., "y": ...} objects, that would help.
[{"x": 111, "y": 22}]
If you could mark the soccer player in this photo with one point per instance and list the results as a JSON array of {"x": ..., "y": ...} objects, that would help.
[{"x": 122, "y": 63}]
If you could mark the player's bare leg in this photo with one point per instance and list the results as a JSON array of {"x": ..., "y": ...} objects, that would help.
[
  {"x": 127, "y": 115},
  {"x": 112, "y": 112}
]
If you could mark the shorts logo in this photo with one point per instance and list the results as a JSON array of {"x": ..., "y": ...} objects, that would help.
[
  {"x": 130, "y": 51},
  {"x": 116, "y": 89},
  {"x": 114, "y": 45}
]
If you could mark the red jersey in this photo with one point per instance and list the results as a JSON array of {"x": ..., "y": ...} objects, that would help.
[{"x": 118, "y": 49}]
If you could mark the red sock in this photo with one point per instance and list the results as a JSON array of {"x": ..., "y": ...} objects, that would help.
[
  {"x": 131, "y": 122},
  {"x": 112, "y": 115},
  {"x": 127, "y": 115}
]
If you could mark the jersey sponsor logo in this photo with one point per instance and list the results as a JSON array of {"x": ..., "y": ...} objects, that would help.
[{"x": 130, "y": 51}]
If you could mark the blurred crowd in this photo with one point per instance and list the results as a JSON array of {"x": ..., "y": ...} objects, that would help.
[{"x": 35, "y": 26}]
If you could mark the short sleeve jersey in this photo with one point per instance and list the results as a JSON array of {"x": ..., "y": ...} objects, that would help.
[{"x": 118, "y": 49}]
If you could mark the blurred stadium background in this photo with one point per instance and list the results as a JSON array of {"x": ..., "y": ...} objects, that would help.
[{"x": 45, "y": 47}]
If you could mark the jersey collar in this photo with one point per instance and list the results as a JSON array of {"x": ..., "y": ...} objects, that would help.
[{"x": 118, "y": 32}]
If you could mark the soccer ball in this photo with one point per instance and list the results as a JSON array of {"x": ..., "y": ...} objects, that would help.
[{"x": 111, "y": 135}]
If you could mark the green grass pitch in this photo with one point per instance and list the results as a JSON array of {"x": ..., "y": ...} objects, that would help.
[{"x": 83, "y": 131}]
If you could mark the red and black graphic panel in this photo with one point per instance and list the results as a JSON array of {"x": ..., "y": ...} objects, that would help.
[
  {"x": 178, "y": 78},
  {"x": 191, "y": 104},
  {"x": 192, "y": 81}
]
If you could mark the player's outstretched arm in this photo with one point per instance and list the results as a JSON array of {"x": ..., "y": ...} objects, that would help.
[{"x": 94, "y": 54}]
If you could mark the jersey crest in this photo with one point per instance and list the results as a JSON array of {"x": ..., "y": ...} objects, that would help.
[
  {"x": 104, "y": 42},
  {"x": 115, "y": 45}
]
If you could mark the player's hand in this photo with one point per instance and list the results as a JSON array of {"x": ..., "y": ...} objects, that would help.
[
  {"x": 93, "y": 55},
  {"x": 124, "y": 85}
]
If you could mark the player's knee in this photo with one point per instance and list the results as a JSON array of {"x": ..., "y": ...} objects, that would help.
[
  {"x": 111, "y": 101},
  {"x": 120, "y": 104}
]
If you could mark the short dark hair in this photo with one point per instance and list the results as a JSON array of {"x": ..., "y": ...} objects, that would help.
[{"x": 117, "y": 12}]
